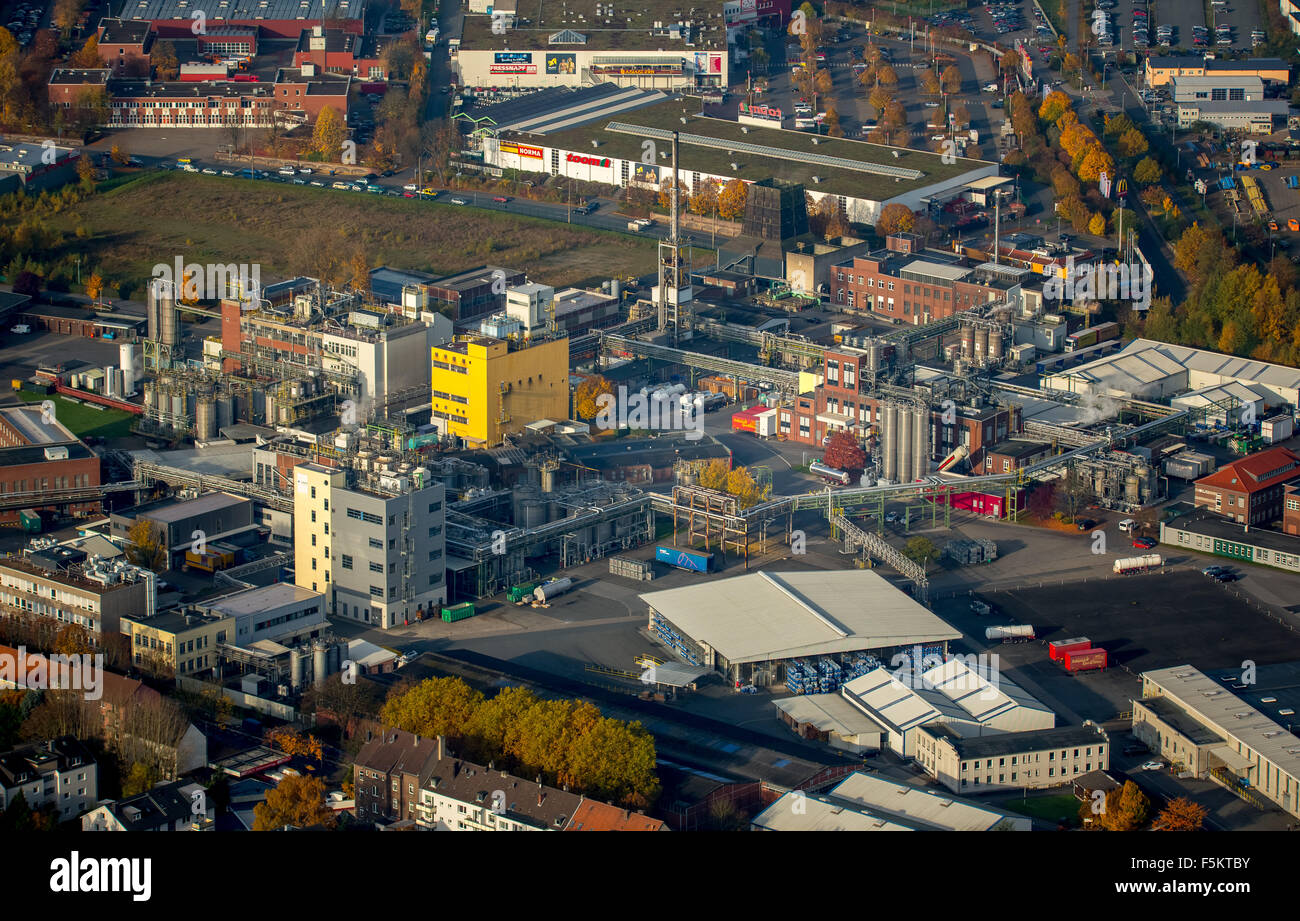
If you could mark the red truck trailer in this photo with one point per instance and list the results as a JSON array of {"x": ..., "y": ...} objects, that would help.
[
  {"x": 1056, "y": 651},
  {"x": 1082, "y": 660}
]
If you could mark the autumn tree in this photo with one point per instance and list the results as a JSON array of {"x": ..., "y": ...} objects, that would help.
[
  {"x": 1147, "y": 171},
  {"x": 879, "y": 99},
  {"x": 844, "y": 453},
  {"x": 435, "y": 707},
  {"x": 94, "y": 286},
  {"x": 292, "y": 743},
  {"x": 930, "y": 83},
  {"x": 1097, "y": 226},
  {"x": 88, "y": 55},
  {"x": 328, "y": 135},
  {"x": 586, "y": 394},
  {"x": 296, "y": 801},
  {"x": 732, "y": 199},
  {"x": 1133, "y": 143},
  {"x": 921, "y": 550},
  {"x": 886, "y": 75},
  {"x": 895, "y": 218},
  {"x": 144, "y": 545},
  {"x": 119, "y": 156},
  {"x": 1180, "y": 814},
  {"x": 1126, "y": 808},
  {"x": 951, "y": 79},
  {"x": 832, "y": 121},
  {"x": 360, "y": 268},
  {"x": 141, "y": 778},
  {"x": 704, "y": 200},
  {"x": 344, "y": 701},
  {"x": 166, "y": 64},
  {"x": 1010, "y": 62},
  {"x": 666, "y": 193}
]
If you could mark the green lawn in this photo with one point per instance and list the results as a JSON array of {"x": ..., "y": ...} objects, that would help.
[
  {"x": 81, "y": 420},
  {"x": 1047, "y": 808}
]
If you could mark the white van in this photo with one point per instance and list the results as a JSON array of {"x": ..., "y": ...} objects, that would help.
[
  {"x": 21, "y": 329},
  {"x": 1127, "y": 525}
]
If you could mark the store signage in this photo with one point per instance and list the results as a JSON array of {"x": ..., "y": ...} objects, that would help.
[
  {"x": 512, "y": 68},
  {"x": 602, "y": 162},
  {"x": 758, "y": 111},
  {"x": 522, "y": 150}
]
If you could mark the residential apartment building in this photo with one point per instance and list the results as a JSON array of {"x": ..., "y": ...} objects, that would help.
[
  {"x": 176, "y": 642},
  {"x": 1249, "y": 491},
  {"x": 167, "y": 807},
  {"x": 1215, "y": 728},
  {"x": 38, "y": 455},
  {"x": 64, "y": 586},
  {"x": 59, "y": 775},
  {"x": 485, "y": 388},
  {"x": 390, "y": 770},
  {"x": 372, "y": 542},
  {"x": 1011, "y": 760}
]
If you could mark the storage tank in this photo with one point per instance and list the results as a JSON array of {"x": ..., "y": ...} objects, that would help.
[
  {"x": 889, "y": 434},
  {"x": 545, "y": 593},
  {"x": 615, "y": 287},
  {"x": 205, "y": 421},
  {"x": 1024, "y": 631},
  {"x": 981, "y": 345},
  {"x": 270, "y": 417},
  {"x": 968, "y": 341},
  {"x": 295, "y": 668},
  {"x": 110, "y": 380},
  {"x": 319, "y": 663},
  {"x": 1132, "y": 489},
  {"x": 257, "y": 406},
  {"x": 995, "y": 345},
  {"x": 225, "y": 406},
  {"x": 168, "y": 321},
  {"x": 906, "y": 463},
  {"x": 126, "y": 358},
  {"x": 178, "y": 403},
  {"x": 548, "y": 478},
  {"x": 534, "y": 513},
  {"x": 337, "y": 653},
  {"x": 920, "y": 443}
]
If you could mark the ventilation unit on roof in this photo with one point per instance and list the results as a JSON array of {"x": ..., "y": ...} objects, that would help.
[
  {"x": 1268, "y": 700},
  {"x": 1287, "y": 712}
]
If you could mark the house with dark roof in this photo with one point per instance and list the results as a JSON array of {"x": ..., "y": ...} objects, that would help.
[
  {"x": 167, "y": 807},
  {"x": 58, "y": 774}
]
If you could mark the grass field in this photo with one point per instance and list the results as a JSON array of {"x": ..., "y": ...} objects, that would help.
[
  {"x": 156, "y": 217},
  {"x": 1046, "y": 808},
  {"x": 83, "y": 421}
]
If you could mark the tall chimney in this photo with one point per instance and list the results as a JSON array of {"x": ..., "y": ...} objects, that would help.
[{"x": 440, "y": 747}]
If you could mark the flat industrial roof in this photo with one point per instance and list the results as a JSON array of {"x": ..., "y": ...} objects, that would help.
[
  {"x": 310, "y": 13},
  {"x": 32, "y": 426},
  {"x": 631, "y": 27},
  {"x": 172, "y": 512},
  {"x": 789, "y": 155},
  {"x": 768, "y": 615},
  {"x": 1006, "y": 743},
  {"x": 265, "y": 598},
  {"x": 829, "y": 713}
]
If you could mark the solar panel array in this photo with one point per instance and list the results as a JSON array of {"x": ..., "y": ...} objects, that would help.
[{"x": 758, "y": 150}]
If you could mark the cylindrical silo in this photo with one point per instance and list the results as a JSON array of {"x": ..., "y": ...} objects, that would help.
[
  {"x": 126, "y": 358},
  {"x": 981, "y": 345},
  {"x": 548, "y": 478},
  {"x": 270, "y": 402},
  {"x": 1132, "y": 489},
  {"x": 178, "y": 403},
  {"x": 156, "y": 293},
  {"x": 319, "y": 663},
  {"x": 889, "y": 434},
  {"x": 334, "y": 661},
  {"x": 295, "y": 669},
  {"x": 257, "y": 406},
  {"x": 995, "y": 345},
  {"x": 968, "y": 341},
  {"x": 225, "y": 410},
  {"x": 534, "y": 513},
  {"x": 906, "y": 464},
  {"x": 205, "y": 422},
  {"x": 920, "y": 443}
]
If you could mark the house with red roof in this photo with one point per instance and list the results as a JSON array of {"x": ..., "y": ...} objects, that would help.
[{"x": 1249, "y": 491}]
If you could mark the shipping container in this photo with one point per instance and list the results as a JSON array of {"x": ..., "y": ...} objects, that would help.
[
  {"x": 746, "y": 420},
  {"x": 1102, "y": 332},
  {"x": 210, "y": 560},
  {"x": 521, "y": 592},
  {"x": 456, "y": 612},
  {"x": 1277, "y": 428},
  {"x": 685, "y": 559},
  {"x": 1085, "y": 660},
  {"x": 553, "y": 589},
  {"x": 30, "y": 519},
  {"x": 1058, "y": 649}
]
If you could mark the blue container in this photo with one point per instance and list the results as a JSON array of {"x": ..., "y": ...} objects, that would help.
[{"x": 685, "y": 559}]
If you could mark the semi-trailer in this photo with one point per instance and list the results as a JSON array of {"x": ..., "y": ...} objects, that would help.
[
  {"x": 1082, "y": 660},
  {"x": 1014, "y": 633},
  {"x": 1057, "y": 650},
  {"x": 1134, "y": 564}
]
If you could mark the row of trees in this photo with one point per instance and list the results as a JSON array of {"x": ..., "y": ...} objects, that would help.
[
  {"x": 566, "y": 741},
  {"x": 734, "y": 481},
  {"x": 1127, "y": 808},
  {"x": 1235, "y": 307},
  {"x": 710, "y": 197}
]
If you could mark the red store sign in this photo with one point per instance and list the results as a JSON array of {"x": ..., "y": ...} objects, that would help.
[{"x": 588, "y": 161}]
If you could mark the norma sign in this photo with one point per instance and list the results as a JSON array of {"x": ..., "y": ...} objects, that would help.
[
  {"x": 602, "y": 162},
  {"x": 522, "y": 150},
  {"x": 757, "y": 111},
  {"x": 512, "y": 68}
]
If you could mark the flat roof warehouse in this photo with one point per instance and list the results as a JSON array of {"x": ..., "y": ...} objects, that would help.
[
  {"x": 842, "y": 166},
  {"x": 619, "y": 26}
]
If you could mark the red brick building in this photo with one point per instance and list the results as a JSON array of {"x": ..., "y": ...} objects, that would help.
[
  {"x": 272, "y": 18},
  {"x": 1291, "y": 509},
  {"x": 335, "y": 51},
  {"x": 1249, "y": 491},
  {"x": 125, "y": 46},
  {"x": 66, "y": 85},
  {"x": 910, "y": 286},
  {"x": 388, "y": 775},
  {"x": 38, "y": 457}
]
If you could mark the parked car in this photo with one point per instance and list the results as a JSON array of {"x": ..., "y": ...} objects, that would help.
[
  {"x": 459, "y": 201},
  {"x": 1143, "y": 543},
  {"x": 1226, "y": 577},
  {"x": 500, "y": 199},
  {"x": 1087, "y": 524},
  {"x": 1152, "y": 765}
]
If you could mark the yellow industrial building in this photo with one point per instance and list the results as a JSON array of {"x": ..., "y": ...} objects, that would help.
[{"x": 484, "y": 389}]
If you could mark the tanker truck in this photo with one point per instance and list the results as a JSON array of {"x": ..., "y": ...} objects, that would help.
[
  {"x": 1015, "y": 633},
  {"x": 1137, "y": 564}
]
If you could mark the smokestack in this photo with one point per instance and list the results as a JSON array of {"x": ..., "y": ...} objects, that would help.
[{"x": 675, "y": 181}]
